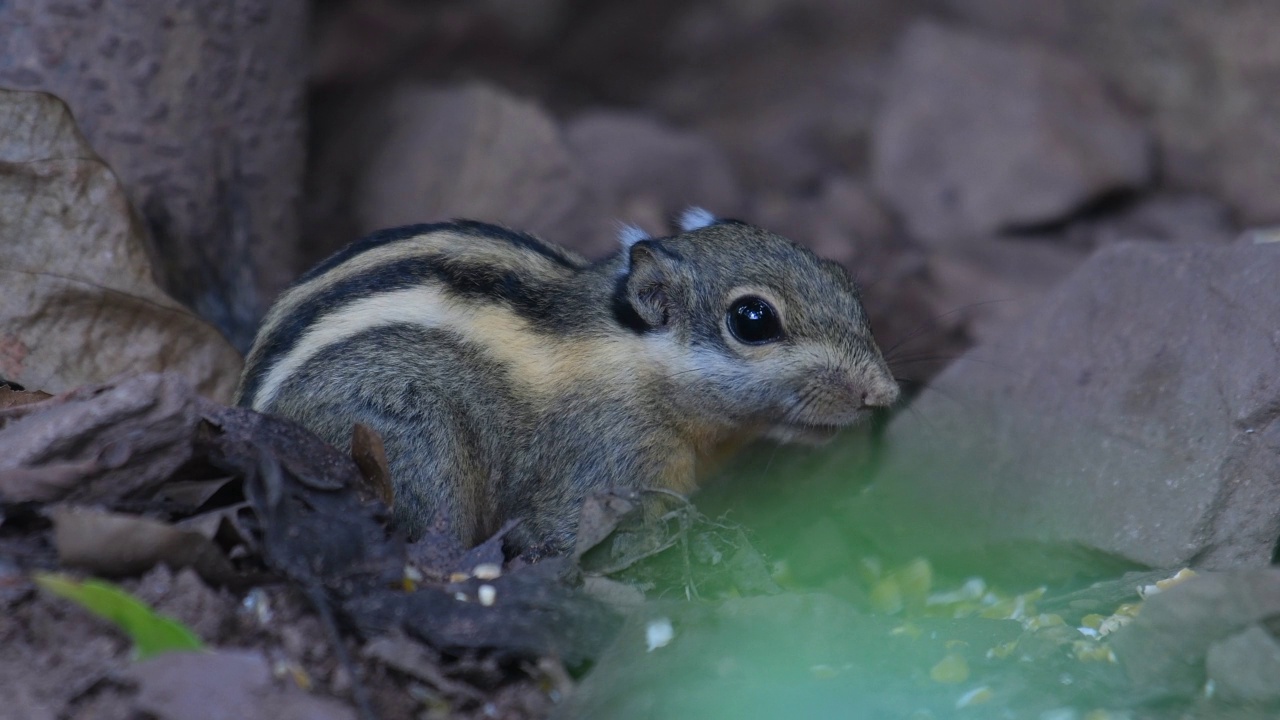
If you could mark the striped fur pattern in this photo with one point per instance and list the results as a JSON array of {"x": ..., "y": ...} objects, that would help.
[{"x": 510, "y": 378}]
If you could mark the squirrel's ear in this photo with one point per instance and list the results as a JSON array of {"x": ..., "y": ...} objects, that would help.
[
  {"x": 695, "y": 218},
  {"x": 646, "y": 286}
]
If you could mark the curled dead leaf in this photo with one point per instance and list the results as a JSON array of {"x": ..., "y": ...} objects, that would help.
[
  {"x": 371, "y": 457},
  {"x": 79, "y": 303},
  {"x": 10, "y": 398},
  {"x": 114, "y": 545},
  {"x": 97, "y": 444}
]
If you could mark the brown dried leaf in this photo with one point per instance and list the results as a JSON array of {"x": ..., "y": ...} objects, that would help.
[
  {"x": 114, "y": 545},
  {"x": 601, "y": 512},
  {"x": 371, "y": 457},
  {"x": 224, "y": 684},
  {"x": 488, "y": 552},
  {"x": 413, "y": 659},
  {"x": 79, "y": 303},
  {"x": 97, "y": 444},
  {"x": 10, "y": 398}
]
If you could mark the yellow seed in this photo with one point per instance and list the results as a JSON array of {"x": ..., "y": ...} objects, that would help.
[
  {"x": 951, "y": 670},
  {"x": 1093, "y": 620},
  {"x": 886, "y": 596},
  {"x": 915, "y": 579},
  {"x": 1003, "y": 650},
  {"x": 976, "y": 696},
  {"x": 908, "y": 629},
  {"x": 1129, "y": 609}
]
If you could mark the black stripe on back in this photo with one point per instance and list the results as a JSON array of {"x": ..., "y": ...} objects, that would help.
[
  {"x": 470, "y": 228},
  {"x": 471, "y": 281}
]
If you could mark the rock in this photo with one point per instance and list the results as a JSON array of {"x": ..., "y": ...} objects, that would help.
[
  {"x": 1203, "y": 628},
  {"x": 977, "y": 135},
  {"x": 198, "y": 108},
  {"x": 988, "y": 284},
  {"x": 648, "y": 171},
  {"x": 1133, "y": 416},
  {"x": 475, "y": 152},
  {"x": 1171, "y": 217},
  {"x": 787, "y": 88},
  {"x": 1205, "y": 75},
  {"x": 1244, "y": 667},
  {"x": 358, "y": 42},
  {"x": 844, "y": 222}
]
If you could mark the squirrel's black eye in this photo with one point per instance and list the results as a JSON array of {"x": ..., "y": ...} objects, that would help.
[{"x": 754, "y": 321}]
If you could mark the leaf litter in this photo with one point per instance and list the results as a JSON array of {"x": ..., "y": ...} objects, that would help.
[{"x": 129, "y": 478}]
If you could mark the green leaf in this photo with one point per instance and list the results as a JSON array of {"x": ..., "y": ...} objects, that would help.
[{"x": 151, "y": 632}]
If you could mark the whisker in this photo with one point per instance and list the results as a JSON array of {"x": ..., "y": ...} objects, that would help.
[{"x": 924, "y": 326}]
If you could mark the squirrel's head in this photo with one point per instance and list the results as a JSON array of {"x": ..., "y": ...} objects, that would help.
[{"x": 765, "y": 336}]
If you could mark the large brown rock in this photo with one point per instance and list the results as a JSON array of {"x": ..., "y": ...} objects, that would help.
[
  {"x": 1135, "y": 414},
  {"x": 788, "y": 88},
  {"x": 978, "y": 134},
  {"x": 476, "y": 152},
  {"x": 198, "y": 107},
  {"x": 647, "y": 171},
  {"x": 1205, "y": 73}
]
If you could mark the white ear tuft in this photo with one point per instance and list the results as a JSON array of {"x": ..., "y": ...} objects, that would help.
[
  {"x": 630, "y": 235},
  {"x": 695, "y": 218}
]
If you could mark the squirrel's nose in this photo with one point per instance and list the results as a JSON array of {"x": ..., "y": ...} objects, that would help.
[{"x": 882, "y": 392}]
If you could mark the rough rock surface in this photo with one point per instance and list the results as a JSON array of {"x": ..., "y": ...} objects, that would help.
[
  {"x": 788, "y": 88},
  {"x": 991, "y": 283},
  {"x": 648, "y": 171},
  {"x": 1208, "y": 627},
  {"x": 198, "y": 107},
  {"x": 1136, "y": 414},
  {"x": 1205, "y": 72},
  {"x": 476, "y": 152},
  {"x": 977, "y": 135}
]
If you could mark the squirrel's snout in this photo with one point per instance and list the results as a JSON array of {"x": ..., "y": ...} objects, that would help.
[{"x": 881, "y": 393}]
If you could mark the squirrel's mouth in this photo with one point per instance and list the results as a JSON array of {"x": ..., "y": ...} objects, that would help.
[{"x": 807, "y": 433}]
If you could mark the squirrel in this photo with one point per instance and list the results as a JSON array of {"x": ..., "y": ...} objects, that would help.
[{"x": 510, "y": 378}]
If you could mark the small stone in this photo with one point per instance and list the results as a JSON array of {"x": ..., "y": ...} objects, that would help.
[{"x": 1245, "y": 667}]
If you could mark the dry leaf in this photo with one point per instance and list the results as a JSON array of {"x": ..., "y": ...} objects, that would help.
[
  {"x": 10, "y": 398},
  {"x": 413, "y": 659},
  {"x": 113, "y": 545},
  {"x": 601, "y": 512},
  {"x": 371, "y": 457},
  {"x": 224, "y": 684},
  {"x": 79, "y": 304},
  {"x": 97, "y": 444}
]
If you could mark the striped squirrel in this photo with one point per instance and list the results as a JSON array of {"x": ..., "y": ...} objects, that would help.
[{"x": 509, "y": 377}]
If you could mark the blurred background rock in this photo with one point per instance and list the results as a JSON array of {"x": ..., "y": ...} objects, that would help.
[{"x": 960, "y": 156}]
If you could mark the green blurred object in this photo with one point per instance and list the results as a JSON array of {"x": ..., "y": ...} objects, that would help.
[{"x": 151, "y": 632}]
